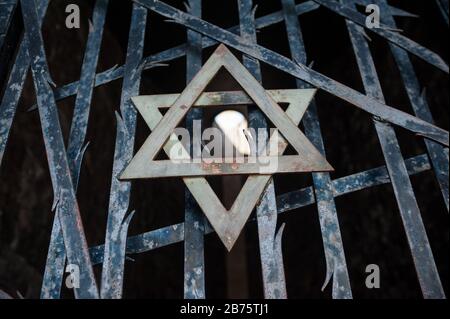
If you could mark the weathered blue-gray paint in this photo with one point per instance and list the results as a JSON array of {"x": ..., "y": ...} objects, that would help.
[
  {"x": 65, "y": 203},
  {"x": 419, "y": 103},
  {"x": 274, "y": 281},
  {"x": 286, "y": 202},
  {"x": 7, "y": 21},
  {"x": 329, "y": 223},
  {"x": 118, "y": 221},
  {"x": 15, "y": 83},
  {"x": 393, "y": 10},
  {"x": 178, "y": 51},
  {"x": 53, "y": 275},
  {"x": 301, "y": 71},
  {"x": 404, "y": 194},
  {"x": 389, "y": 34},
  {"x": 194, "y": 229}
]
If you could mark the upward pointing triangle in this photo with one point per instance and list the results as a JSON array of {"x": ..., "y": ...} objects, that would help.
[{"x": 227, "y": 223}]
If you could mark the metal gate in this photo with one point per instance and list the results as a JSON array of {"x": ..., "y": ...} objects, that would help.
[{"x": 68, "y": 243}]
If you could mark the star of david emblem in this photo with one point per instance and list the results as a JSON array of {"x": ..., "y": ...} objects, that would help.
[{"x": 227, "y": 223}]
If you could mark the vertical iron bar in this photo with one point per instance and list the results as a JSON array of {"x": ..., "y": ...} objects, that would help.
[
  {"x": 65, "y": 202},
  {"x": 419, "y": 103},
  {"x": 14, "y": 87},
  {"x": 301, "y": 71},
  {"x": 266, "y": 211},
  {"x": 390, "y": 35},
  {"x": 56, "y": 257},
  {"x": 409, "y": 209},
  {"x": 118, "y": 222},
  {"x": 287, "y": 202},
  {"x": 323, "y": 187},
  {"x": 194, "y": 228},
  {"x": 179, "y": 51}
]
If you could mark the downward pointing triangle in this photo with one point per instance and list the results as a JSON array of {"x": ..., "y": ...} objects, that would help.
[{"x": 227, "y": 223}]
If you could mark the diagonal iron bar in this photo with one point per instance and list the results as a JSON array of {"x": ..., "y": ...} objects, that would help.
[
  {"x": 53, "y": 275},
  {"x": 118, "y": 222},
  {"x": 443, "y": 7},
  {"x": 254, "y": 186},
  {"x": 407, "y": 203},
  {"x": 10, "y": 34},
  {"x": 329, "y": 223},
  {"x": 420, "y": 107},
  {"x": 266, "y": 211},
  {"x": 65, "y": 202},
  {"x": 180, "y": 51},
  {"x": 385, "y": 32},
  {"x": 177, "y": 52},
  {"x": 286, "y": 202},
  {"x": 300, "y": 71},
  {"x": 395, "y": 11},
  {"x": 194, "y": 229},
  {"x": 15, "y": 84}
]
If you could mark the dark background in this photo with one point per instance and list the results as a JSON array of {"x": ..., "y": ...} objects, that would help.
[{"x": 370, "y": 222}]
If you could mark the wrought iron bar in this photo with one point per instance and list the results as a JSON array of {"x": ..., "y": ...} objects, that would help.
[
  {"x": 443, "y": 7},
  {"x": 14, "y": 87},
  {"x": 286, "y": 202},
  {"x": 404, "y": 193},
  {"x": 419, "y": 104},
  {"x": 329, "y": 223},
  {"x": 65, "y": 203},
  {"x": 194, "y": 229},
  {"x": 395, "y": 11},
  {"x": 67, "y": 232},
  {"x": 6, "y": 11},
  {"x": 118, "y": 221},
  {"x": 266, "y": 211},
  {"x": 10, "y": 34},
  {"x": 300, "y": 71},
  {"x": 53, "y": 275},
  {"x": 389, "y": 34},
  {"x": 180, "y": 51},
  {"x": 177, "y": 52}
]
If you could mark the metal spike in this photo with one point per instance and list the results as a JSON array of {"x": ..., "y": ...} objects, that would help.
[{"x": 179, "y": 51}]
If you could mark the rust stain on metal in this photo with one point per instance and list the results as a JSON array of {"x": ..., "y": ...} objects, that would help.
[{"x": 227, "y": 223}]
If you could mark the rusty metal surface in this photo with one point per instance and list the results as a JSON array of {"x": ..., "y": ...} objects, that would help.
[
  {"x": 223, "y": 166},
  {"x": 228, "y": 223},
  {"x": 65, "y": 204},
  {"x": 143, "y": 164},
  {"x": 301, "y": 71}
]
